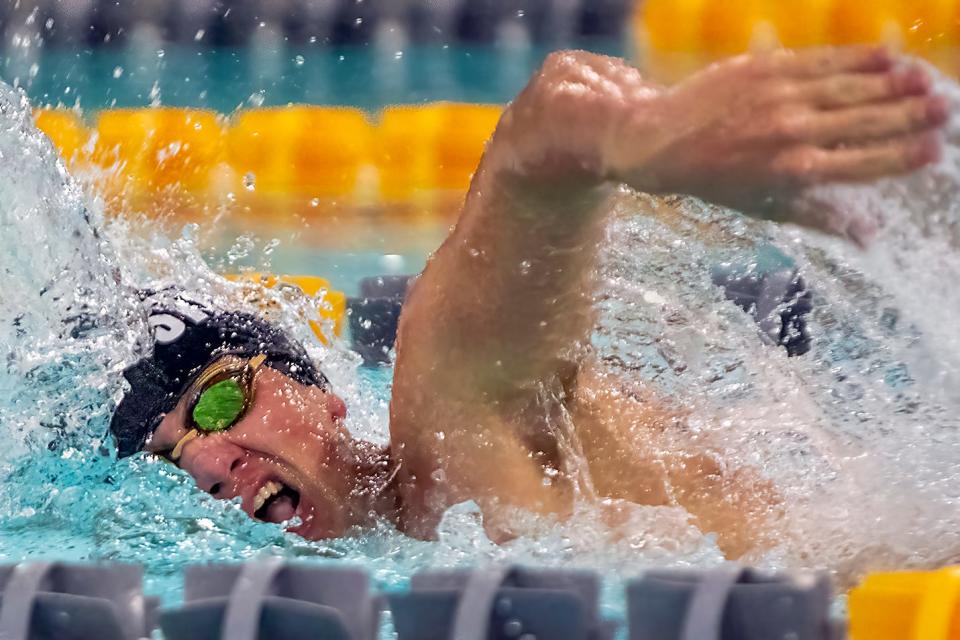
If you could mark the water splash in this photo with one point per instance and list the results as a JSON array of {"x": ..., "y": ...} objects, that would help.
[{"x": 861, "y": 434}]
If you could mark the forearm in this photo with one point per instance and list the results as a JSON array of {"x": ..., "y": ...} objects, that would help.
[
  {"x": 739, "y": 505},
  {"x": 509, "y": 294},
  {"x": 511, "y": 287}
]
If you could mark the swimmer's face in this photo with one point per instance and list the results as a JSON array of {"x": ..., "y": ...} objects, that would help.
[{"x": 287, "y": 456}]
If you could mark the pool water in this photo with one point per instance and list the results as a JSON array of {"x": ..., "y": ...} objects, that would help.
[
  {"x": 274, "y": 73},
  {"x": 862, "y": 434}
]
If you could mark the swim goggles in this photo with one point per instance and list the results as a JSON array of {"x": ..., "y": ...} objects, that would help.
[{"x": 218, "y": 398}]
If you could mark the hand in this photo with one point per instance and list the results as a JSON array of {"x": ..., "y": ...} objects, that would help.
[{"x": 752, "y": 132}]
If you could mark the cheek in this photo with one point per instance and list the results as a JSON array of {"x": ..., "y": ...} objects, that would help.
[{"x": 292, "y": 416}]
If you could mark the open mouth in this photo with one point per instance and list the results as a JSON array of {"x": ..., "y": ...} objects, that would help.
[{"x": 275, "y": 502}]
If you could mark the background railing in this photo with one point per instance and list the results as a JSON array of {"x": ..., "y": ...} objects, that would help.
[{"x": 239, "y": 22}]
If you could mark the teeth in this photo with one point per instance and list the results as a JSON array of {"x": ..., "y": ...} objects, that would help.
[{"x": 266, "y": 492}]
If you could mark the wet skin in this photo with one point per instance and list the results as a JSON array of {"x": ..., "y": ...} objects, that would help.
[
  {"x": 493, "y": 347},
  {"x": 292, "y": 434}
]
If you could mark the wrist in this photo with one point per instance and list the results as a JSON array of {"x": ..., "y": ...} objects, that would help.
[{"x": 637, "y": 137}]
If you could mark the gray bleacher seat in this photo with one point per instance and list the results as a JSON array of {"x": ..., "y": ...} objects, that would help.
[
  {"x": 500, "y": 603},
  {"x": 273, "y": 600},
  {"x": 57, "y": 601},
  {"x": 374, "y": 316},
  {"x": 729, "y": 603}
]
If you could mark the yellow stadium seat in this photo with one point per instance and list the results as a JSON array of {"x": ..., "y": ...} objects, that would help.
[
  {"x": 302, "y": 149},
  {"x": 65, "y": 129},
  {"x": 332, "y": 306},
  {"x": 906, "y": 606},
  {"x": 462, "y": 136}
]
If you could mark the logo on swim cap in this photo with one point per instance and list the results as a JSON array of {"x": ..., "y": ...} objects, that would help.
[
  {"x": 167, "y": 327},
  {"x": 188, "y": 335}
]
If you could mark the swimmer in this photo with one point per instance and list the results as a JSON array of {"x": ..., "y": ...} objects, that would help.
[{"x": 493, "y": 349}]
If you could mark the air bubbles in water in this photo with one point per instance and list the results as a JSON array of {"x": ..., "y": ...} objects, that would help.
[{"x": 249, "y": 181}]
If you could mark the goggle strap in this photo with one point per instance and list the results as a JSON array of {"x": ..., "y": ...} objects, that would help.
[{"x": 178, "y": 448}]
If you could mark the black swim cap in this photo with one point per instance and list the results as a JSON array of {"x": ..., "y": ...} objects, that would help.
[{"x": 188, "y": 336}]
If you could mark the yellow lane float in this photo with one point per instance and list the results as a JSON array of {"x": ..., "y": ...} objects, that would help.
[
  {"x": 431, "y": 147},
  {"x": 710, "y": 28},
  {"x": 310, "y": 152},
  {"x": 300, "y": 149},
  {"x": 65, "y": 129},
  {"x": 906, "y": 606},
  {"x": 331, "y": 304},
  {"x": 158, "y": 148}
]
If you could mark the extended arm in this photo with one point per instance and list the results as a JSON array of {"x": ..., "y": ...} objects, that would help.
[{"x": 503, "y": 311}]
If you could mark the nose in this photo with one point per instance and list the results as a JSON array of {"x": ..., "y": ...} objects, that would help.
[
  {"x": 336, "y": 406},
  {"x": 211, "y": 460}
]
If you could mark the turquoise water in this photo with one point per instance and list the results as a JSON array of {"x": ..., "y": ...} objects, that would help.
[
  {"x": 275, "y": 74},
  {"x": 862, "y": 436}
]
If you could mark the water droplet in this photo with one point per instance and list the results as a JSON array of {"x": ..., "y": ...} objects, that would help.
[
  {"x": 161, "y": 53},
  {"x": 299, "y": 60},
  {"x": 525, "y": 267},
  {"x": 117, "y": 72},
  {"x": 503, "y": 606},
  {"x": 231, "y": 196},
  {"x": 198, "y": 36},
  {"x": 249, "y": 181},
  {"x": 155, "y": 94},
  {"x": 521, "y": 13},
  {"x": 512, "y": 628},
  {"x": 315, "y": 202},
  {"x": 34, "y": 70},
  {"x": 439, "y": 476},
  {"x": 398, "y": 55}
]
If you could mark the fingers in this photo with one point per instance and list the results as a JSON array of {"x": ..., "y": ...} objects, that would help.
[
  {"x": 876, "y": 121},
  {"x": 849, "y": 89},
  {"x": 826, "y": 61},
  {"x": 901, "y": 155}
]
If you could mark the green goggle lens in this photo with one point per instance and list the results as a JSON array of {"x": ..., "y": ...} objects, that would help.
[{"x": 219, "y": 406}]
